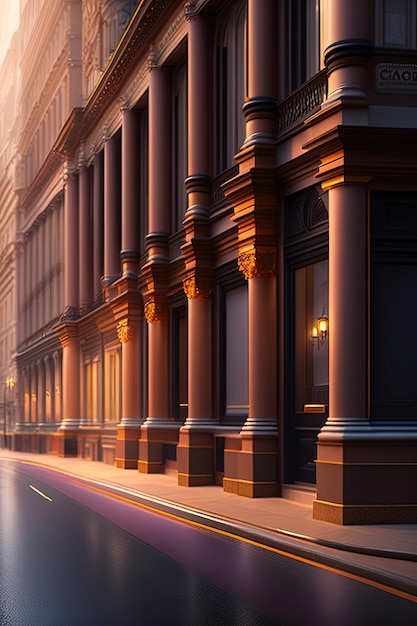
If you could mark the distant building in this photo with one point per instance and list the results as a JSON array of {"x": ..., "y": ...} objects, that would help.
[{"x": 216, "y": 245}]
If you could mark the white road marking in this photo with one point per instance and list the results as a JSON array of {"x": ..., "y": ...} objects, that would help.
[{"x": 40, "y": 493}]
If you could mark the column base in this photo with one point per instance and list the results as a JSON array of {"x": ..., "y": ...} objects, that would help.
[
  {"x": 156, "y": 443},
  {"x": 366, "y": 481},
  {"x": 251, "y": 466},
  {"x": 195, "y": 457},
  {"x": 127, "y": 447},
  {"x": 343, "y": 514}
]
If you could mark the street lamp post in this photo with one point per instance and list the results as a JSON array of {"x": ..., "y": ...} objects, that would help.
[{"x": 9, "y": 384}]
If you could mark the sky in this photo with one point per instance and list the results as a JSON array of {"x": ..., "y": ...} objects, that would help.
[{"x": 8, "y": 24}]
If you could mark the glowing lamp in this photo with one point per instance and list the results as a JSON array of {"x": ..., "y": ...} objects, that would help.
[{"x": 320, "y": 331}]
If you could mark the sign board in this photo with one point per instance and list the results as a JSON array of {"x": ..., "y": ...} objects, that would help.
[{"x": 396, "y": 78}]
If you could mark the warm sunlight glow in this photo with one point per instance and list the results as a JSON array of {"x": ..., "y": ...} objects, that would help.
[{"x": 8, "y": 24}]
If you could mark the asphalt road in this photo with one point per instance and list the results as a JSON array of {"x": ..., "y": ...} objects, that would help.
[{"x": 75, "y": 554}]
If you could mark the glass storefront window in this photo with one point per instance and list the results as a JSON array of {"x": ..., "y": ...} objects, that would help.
[{"x": 311, "y": 356}]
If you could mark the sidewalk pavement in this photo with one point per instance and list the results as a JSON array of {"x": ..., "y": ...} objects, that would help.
[{"x": 384, "y": 553}]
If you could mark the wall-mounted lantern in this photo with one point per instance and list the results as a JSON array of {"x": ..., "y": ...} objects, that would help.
[{"x": 320, "y": 331}]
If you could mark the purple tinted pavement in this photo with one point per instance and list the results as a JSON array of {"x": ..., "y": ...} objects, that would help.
[{"x": 273, "y": 521}]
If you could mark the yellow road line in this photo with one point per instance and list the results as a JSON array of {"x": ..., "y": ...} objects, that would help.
[{"x": 368, "y": 581}]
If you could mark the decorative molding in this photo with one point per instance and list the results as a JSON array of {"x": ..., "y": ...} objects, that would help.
[
  {"x": 303, "y": 102},
  {"x": 194, "y": 288},
  {"x": 256, "y": 263},
  {"x": 346, "y": 52},
  {"x": 154, "y": 311},
  {"x": 124, "y": 331}
]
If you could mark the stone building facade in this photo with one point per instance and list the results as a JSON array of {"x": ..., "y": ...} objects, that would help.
[{"x": 215, "y": 220}]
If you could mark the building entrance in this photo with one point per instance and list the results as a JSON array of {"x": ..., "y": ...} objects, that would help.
[{"x": 307, "y": 328}]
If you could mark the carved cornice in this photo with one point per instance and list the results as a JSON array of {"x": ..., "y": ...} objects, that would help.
[
  {"x": 132, "y": 45},
  {"x": 133, "y": 42},
  {"x": 348, "y": 154},
  {"x": 256, "y": 263}
]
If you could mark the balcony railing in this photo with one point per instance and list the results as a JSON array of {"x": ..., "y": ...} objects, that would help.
[{"x": 302, "y": 102}]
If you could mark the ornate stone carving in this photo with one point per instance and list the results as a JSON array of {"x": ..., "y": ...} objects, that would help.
[
  {"x": 197, "y": 288},
  {"x": 154, "y": 311},
  {"x": 124, "y": 331},
  {"x": 256, "y": 263}
]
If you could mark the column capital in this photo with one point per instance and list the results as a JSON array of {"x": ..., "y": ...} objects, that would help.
[
  {"x": 193, "y": 9},
  {"x": 124, "y": 331},
  {"x": 155, "y": 310},
  {"x": 67, "y": 332},
  {"x": 257, "y": 262},
  {"x": 197, "y": 287}
]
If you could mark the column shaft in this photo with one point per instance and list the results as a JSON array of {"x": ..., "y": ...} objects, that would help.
[
  {"x": 346, "y": 450},
  {"x": 158, "y": 428},
  {"x": 262, "y": 48},
  {"x": 198, "y": 96},
  {"x": 159, "y": 150},
  {"x": 345, "y": 51},
  {"x": 71, "y": 243},
  {"x": 197, "y": 432},
  {"x": 199, "y": 361},
  {"x": 112, "y": 213},
  {"x": 158, "y": 401},
  {"x": 98, "y": 224},
  {"x": 85, "y": 239},
  {"x": 130, "y": 181},
  {"x": 128, "y": 328},
  {"x": 262, "y": 354},
  {"x": 347, "y": 302},
  {"x": 71, "y": 382},
  {"x": 260, "y": 108}
]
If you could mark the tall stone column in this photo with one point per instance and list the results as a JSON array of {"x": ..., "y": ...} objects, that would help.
[
  {"x": 49, "y": 408},
  {"x": 251, "y": 461},
  {"x": 85, "y": 239},
  {"x": 71, "y": 256},
  {"x": 67, "y": 329},
  {"x": 196, "y": 468},
  {"x": 261, "y": 105},
  {"x": 257, "y": 463},
  {"x": 127, "y": 309},
  {"x": 57, "y": 383},
  {"x": 345, "y": 55},
  {"x": 40, "y": 391},
  {"x": 34, "y": 393},
  {"x": 67, "y": 442},
  {"x": 112, "y": 210},
  {"x": 348, "y": 415},
  {"x": 25, "y": 372},
  {"x": 157, "y": 428},
  {"x": 130, "y": 249},
  {"x": 98, "y": 225}
]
